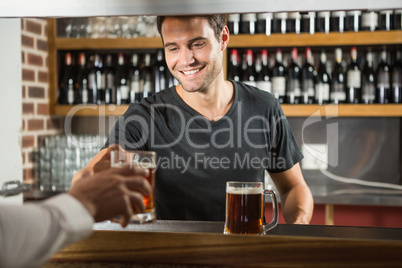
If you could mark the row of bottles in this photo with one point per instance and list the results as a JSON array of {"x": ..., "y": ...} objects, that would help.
[
  {"x": 311, "y": 22},
  {"x": 327, "y": 82},
  {"x": 127, "y": 78},
  {"x": 112, "y": 78}
]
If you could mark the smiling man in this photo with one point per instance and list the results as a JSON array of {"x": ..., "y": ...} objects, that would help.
[{"x": 223, "y": 130}]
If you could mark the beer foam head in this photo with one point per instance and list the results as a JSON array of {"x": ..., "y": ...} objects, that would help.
[{"x": 244, "y": 190}]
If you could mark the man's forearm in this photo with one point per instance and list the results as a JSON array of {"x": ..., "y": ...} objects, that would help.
[{"x": 298, "y": 205}]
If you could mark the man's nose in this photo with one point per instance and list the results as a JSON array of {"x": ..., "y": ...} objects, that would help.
[{"x": 186, "y": 57}]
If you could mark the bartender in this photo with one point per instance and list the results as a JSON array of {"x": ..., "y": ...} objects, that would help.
[{"x": 207, "y": 130}]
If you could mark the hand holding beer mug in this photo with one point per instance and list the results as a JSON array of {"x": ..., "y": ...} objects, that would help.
[
  {"x": 245, "y": 208},
  {"x": 144, "y": 159}
]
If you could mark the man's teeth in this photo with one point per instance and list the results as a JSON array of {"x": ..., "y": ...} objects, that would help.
[{"x": 191, "y": 72}]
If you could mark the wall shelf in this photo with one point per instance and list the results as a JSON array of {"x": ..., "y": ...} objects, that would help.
[
  {"x": 343, "y": 110},
  {"x": 89, "y": 110},
  {"x": 330, "y": 110},
  {"x": 317, "y": 39},
  {"x": 108, "y": 43},
  {"x": 244, "y": 40}
]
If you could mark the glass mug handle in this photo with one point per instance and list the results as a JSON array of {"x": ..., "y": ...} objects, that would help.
[{"x": 274, "y": 222}]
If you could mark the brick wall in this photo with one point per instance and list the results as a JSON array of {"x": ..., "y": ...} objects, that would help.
[{"x": 36, "y": 121}]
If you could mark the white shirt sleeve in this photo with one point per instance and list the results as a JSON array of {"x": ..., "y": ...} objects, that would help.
[{"x": 32, "y": 233}]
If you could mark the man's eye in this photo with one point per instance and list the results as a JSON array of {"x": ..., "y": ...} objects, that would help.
[
  {"x": 172, "y": 49},
  {"x": 197, "y": 45}
]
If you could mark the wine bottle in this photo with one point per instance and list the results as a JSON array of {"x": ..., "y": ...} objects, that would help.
[
  {"x": 383, "y": 94},
  {"x": 308, "y": 22},
  {"x": 338, "y": 93},
  {"x": 92, "y": 86},
  {"x": 385, "y": 19},
  {"x": 337, "y": 21},
  {"x": 96, "y": 81},
  {"x": 160, "y": 72},
  {"x": 368, "y": 80},
  {"x": 234, "y": 23},
  {"x": 279, "y": 22},
  {"x": 248, "y": 23},
  {"x": 249, "y": 74},
  {"x": 397, "y": 79},
  {"x": 293, "y": 85},
  {"x": 66, "y": 88},
  {"x": 353, "y": 79},
  {"x": 369, "y": 21},
  {"x": 353, "y": 21},
  {"x": 147, "y": 81},
  {"x": 263, "y": 72},
  {"x": 293, "y": 23},
  {"x": 110, "y": 85},
  {"x": 82, "y": 81},
  {"x": 279, "y": 78},
  {"x": 397, "y": 20},
  {"x": 136, "y": 92},
  {"x": 100, "y": 80},
  {"x": 234, "y": 68},
  {"x": 307, "y": 94},
  {"x": 322, "y": 22},
  {"x": 322, "y": 84},
  {"x": 264, "y": 21},
  {"x": 122, "y": 81}
]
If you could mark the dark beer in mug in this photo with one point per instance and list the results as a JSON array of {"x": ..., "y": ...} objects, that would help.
[{"x": 244, "y": 210}]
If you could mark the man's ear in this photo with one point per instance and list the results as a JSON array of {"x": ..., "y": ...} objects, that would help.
[{"x": 224, "y": 38}]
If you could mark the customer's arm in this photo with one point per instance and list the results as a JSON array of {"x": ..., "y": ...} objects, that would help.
[
  {"x": 31, "y": 233},
  {"x": 296, "y": 199}
]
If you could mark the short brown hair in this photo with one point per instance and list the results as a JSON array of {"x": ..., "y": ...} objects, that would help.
[{"x": 217, "y": 22}]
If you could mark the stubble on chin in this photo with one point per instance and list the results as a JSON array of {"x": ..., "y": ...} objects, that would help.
[{"x": 205, "y": 84}]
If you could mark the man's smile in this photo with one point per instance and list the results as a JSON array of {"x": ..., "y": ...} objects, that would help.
[{"x": 192, "y": 72}]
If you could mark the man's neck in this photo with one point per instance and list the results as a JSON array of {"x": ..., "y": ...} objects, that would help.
[{"x": 213, "y": 102}]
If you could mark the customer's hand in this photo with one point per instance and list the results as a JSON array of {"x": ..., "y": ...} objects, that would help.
[
  {"x": 99, "y": 163},
  {"x": 104, "y": 162},
  {"x": 114, "y": 192}
]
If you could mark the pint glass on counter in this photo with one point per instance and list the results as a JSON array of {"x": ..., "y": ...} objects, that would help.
[
  {"x": 245, "y": 208},
  {"x": 144, "y": 159}
]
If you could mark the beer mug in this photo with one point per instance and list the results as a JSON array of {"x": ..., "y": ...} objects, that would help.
[
  {"x": 245, "y": 208},
  {"x": 144, "y": 159}
]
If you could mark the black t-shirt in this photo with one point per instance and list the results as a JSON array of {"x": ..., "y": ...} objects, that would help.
[{"x": 196, "y": 157}]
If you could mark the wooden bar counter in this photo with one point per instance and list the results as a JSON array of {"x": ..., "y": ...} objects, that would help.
[{"x": 202, "y": 244}]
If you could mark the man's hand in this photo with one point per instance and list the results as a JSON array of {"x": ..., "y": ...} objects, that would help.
[{"x": 114, "y": 192}]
